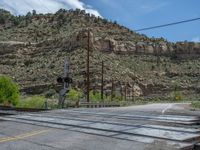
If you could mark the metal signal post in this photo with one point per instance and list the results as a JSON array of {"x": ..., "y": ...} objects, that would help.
[
  {"x": 102, "y": 78},
  {"x": 88, "y": 68},
  {"x": 66, "y": 81}
]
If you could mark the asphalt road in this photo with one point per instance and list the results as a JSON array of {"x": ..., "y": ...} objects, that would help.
[
  {"x": 19, "y": 136},
  {"x": 22, "y": 136}
]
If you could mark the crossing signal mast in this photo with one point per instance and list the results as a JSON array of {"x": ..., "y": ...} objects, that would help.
[{"x": 66, "y": 81}]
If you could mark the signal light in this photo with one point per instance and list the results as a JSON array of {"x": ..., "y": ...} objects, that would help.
[
  {"x": 66, "y": 79},
  {"x": 60, "y": 80}
]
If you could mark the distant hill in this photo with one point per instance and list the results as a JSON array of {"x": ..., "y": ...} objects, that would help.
[{"x": 33, "y": 49}]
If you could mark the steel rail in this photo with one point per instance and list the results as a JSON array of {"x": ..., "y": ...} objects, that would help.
[
  {"x": 114, "y": 123},
  {"x": 197, "y": 138},
  {"x": 186, "y": 146},
  {"x": 138, "y": 117}
]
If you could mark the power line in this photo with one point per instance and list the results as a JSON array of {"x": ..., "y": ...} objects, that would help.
[{"x": 169, "y": 24}]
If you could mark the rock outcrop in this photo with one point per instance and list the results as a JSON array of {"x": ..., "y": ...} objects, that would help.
[{"x": 108, "y": 44}]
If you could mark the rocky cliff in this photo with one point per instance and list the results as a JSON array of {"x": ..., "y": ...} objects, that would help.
[{"x": 33, "y": 49}]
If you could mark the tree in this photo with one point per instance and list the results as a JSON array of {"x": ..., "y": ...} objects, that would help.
[
  {"x": 2, "y": 20},
  {"x": 15, "y": 20},
  {"x": 28, "y": 18},
  {"x": 28, "y": 14},
  {"x": 34, "y": 12},
  {"x": 9, "y": 92}
]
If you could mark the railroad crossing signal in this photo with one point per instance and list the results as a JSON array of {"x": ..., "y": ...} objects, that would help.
[
  {"x": 62, "y": 80},
  {"x": 66, "y": 81}
]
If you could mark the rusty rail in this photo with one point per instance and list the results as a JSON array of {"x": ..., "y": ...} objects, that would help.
[{"x": 7, "y": 108}]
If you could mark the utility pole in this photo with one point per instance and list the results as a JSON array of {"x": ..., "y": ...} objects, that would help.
[
  {"x": 66, "y": 69},
  {"x": 102, "y": 78},
  {"x": 133, "y": 90},
  {"x": 125, "y": 91},
  {"x": 88, "y": 68},
  {"x": 121, "y": 91},
  {"x": 158, "y": 56},
  {"x": 112, "y": 90}
]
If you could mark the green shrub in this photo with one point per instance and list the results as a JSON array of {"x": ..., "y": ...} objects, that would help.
[
  {"x": 118, "y": 98},
  {"x": 9, "y": 91},
  {"x": 2, "y": 20},
  {"x": 74, "y": 95},
  {"x": 196, "y": 104},
  {"x": 96, "y": 96},
  {"x": 176, "y": 95},
  {"x": 32, "y": 102}
]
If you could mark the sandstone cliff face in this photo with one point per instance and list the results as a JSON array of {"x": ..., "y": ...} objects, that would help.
[
  {"x": 187, "y": 50},
  {"x": 108, "y": 44}
]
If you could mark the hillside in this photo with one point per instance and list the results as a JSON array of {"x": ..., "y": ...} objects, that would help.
[{"x": 33, "y": 49}]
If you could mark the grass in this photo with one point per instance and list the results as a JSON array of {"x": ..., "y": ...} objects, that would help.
[
  {"x": 196, "y": 104},
  {"x": 32, "y": 102},
  {"x": 38, "y": 102},
  {"x": 75, "y": 95}
]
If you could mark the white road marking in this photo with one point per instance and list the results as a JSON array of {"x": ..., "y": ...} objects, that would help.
[{"x": 169, "y": 106}]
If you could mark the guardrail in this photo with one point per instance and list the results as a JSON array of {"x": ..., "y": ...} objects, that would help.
[{"x": 98, "y": 105}]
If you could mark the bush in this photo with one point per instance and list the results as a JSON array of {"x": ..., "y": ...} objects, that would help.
[
  {"x": 96, "y": 96},
  {"x": 2, "y": 20},
  {"x": 74, "y": 95},
  {"x": 9, "y": 91},
  {"x": 176, "y": 95},
  {"x": 196, "y": 104},
  {"x": 32, "y": 102}
]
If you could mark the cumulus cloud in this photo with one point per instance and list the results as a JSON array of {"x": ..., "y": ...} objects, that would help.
[
  {"x": 196, "y": 39},
  {"x": 21, "y": 7}
]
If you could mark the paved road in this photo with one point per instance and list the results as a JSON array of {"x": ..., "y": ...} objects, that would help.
[
  {"x": 40, "y": 136},
  {"x": 55, "y": 139}
]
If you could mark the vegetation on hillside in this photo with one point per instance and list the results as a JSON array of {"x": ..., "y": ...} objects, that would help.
[
  {"x": 9, "y": 91},
  {"x": 47, "y": 40}
]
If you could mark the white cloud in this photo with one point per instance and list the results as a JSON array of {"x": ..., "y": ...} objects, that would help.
[
  {"x": 21, "y": 7},
  {"x": 151, "y": 7},
  {"x": 196, "y": 39}
]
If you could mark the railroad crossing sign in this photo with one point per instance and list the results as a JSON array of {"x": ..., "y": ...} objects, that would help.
[{"x": 66, "y": 81}]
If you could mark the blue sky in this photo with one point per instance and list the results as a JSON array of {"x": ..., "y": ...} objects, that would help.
[
  {"x": 137, "y": 14},
  {"x": 134, "y": 14}
]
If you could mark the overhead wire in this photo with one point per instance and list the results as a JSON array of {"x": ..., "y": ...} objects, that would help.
[{"x": 168, "y": 24}]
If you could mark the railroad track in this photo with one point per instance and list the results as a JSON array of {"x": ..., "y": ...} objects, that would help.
[
  {"x": 182, "y": 138},
  {"x": 174, "y": 119},
  {"x": 8, "y": 108}
]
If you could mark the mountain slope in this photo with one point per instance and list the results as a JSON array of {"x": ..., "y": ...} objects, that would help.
[{"x": 33, "y": 49}]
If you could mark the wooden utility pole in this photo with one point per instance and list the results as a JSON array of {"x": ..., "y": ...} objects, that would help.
[
  {"x": 112, "y": 90},
  {"x": 125, "y": 92},
  {"x": 88, "y": 68},
  {"x": 102, "y": 79},
  {"x": 158, "y": 56},
  {"x": 121, "y": 91},
  {"x": 133, "y": 92}
]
